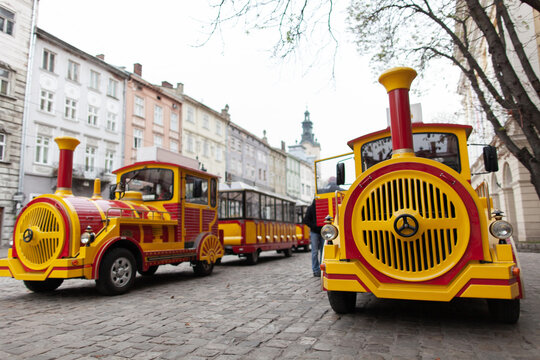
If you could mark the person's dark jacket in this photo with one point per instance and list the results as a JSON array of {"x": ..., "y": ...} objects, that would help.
[{"x": 310, "y": 219}]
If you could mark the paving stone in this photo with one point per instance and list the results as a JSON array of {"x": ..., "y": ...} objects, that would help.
[{"x": 274, "y": 310}]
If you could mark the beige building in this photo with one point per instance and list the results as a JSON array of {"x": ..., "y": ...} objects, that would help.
[{"x": 510, "y": 187}]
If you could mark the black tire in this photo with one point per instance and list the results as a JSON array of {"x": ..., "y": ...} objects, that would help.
[
  {"x": 342, "y": 302},
  {"x": 252, "y": 258},
  {"x": 116, "y": 272},
  {"x": 46, "y": 285},
  {"x": 306, "y": 248},
  {"x": 202, "y": 268},
  {"x": 287, "y": 252},
  {"x": 504, "y": 311},
  {"x": 151, "y": 270}
]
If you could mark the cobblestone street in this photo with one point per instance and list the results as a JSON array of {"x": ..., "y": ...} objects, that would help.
[{"x": 272, "y": 310}]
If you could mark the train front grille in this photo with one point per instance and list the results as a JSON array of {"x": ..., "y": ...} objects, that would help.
[
  {"x": 39, "y": 235},
  {"x": 411, "y": 228}
]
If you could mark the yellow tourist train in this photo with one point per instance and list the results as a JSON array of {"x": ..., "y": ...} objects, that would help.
[
  {"x": 253, "y": 220},
  {"x": 404, "y": 221},
  {"x": 160, "y": 213}
]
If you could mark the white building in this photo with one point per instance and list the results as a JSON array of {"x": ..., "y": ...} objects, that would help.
[
  {"x": 17, "y": 20},
  {"x": 72, "y": 94}
]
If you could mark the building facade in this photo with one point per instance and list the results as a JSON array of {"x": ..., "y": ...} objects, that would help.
[
  {"x": 248, "y": 158},
  {"x": 205, "y": 134},
  {"x": 72, "y": 94},
  {"x": 510, "y": 187},
  {"x": 153, "y": 117},
  {"x": 277, "y": 170},
  {"x": 17, "y": 22}
]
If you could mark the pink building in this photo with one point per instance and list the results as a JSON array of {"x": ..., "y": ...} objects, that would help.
[{"x": 153, "y": 117}]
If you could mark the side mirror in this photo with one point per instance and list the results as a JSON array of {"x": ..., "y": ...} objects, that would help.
[
  {"x": 112, "y": 191},
  {"x": 491, "y": 163},
  {"x": 340, "y": 173}
]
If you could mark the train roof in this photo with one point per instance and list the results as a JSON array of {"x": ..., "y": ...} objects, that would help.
[
  {"x": 143, "y": 163},
  {"x": 415, "y": 126},
  {"x": 241, "y": 186}
]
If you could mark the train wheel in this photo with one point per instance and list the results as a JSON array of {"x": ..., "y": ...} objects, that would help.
[
  {"x": 116, "y": 273},
  {"x": 43, "y": 286},
  {"x": 505, "y": 311},
  {"x": 151, "y": 271},
  {"x": 252, "y": 258},
  {"x": 202, "y": 268},
  {"x": 287, "y": 252},
  {"x": 342, "y": 302},
  {"x": 306, "y": 248}
]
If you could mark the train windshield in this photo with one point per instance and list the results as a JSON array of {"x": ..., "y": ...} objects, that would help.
[
  {"x": 153, "y": 184},
  {"x": 441, "y": 147},
  {"x": 325, "y": 173}
]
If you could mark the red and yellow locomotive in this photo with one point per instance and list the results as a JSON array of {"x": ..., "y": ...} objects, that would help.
[
  {"x": 161, "y": 213},
  {"x": 410, "y": 226}
]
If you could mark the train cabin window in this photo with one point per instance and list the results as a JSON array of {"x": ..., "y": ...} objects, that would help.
[
  {"x": 252, "y": 205},
  {"x": 154, "y": 184},
  {"x": 196, "y": 190},
  {"x": 231, "y": 205},
  {"x": 279, "y": 210},
  {"x": 441, "y": 147},
  {"x": 268, "y": 207},
  {"x": 213, "y": 192}
]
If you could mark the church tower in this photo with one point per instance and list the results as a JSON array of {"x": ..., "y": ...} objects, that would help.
[{"x": 308, "y": 148}]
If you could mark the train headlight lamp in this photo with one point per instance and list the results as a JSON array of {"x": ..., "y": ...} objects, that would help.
[
  {"x": 88, "y": 236},
  {"x": 501, "y": 229},
  {"x": 329, "y": 232}
]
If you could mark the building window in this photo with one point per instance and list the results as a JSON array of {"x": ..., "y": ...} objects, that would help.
[
  {"x": 7, "y": 20},
  {"x": 206, "y": 121},
  {"x": 111, "y": 121},
  {"x": 109, "y": 161},
  {"x": 42, "y": 149},
  {"x": 70, "y": 111},
  {"x": 158, "y": 140},
  {"x": 174, "y": 122},
  {"x": 218, "y": 127},
  {"x": 112, "y": 88},
  {"x": 3, "y": 147},
  {"x": 139, "y": 106},
  {"x": 89, "y": 158},
  {"x": 4, "y": 81},
  {"x": 190, "y": 115},
  {"x": 174, "y": 146},
  {"x": 137, "y": 138},
  {"x": 93, "y": 115},
  {"x": 218, "y": 153},
  {"x": 189, "y": 143},
  {"x": 48, "y": 60},
  {"x": 206, "y": 148},
  {"x": 73, "y": 71},
  {"x": 46, "y": 101},
  {"x": 94, "y": 79},
  {"x": 158, "y": 115}
]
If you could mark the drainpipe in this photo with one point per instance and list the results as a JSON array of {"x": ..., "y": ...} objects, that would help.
[{"x": 27, "y": 95}]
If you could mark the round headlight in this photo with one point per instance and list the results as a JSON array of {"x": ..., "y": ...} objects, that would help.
[
  {"x": 501, "y": 229},
  {"x": 85, "y": 238},
  {"x": 329, "y": 232}
]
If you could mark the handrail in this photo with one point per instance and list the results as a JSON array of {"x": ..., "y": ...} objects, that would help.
[{"x": 135, "y": 214}]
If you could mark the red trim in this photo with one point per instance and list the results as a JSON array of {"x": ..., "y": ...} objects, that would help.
[
  {"x": 346, "y": 277},
  {"x": 159, "y": 163},
  {"x": 417, "y": 127},
  {"x": 106, "y": 246},
  {"x": 474, "y": 249},
  {"x": 497, "y": 282}
]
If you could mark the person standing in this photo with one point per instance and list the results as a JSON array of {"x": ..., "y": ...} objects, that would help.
[{"x": 317, "y": 242}]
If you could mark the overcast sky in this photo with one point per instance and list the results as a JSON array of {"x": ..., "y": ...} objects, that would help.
[{"x": 236, "y": 67}]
